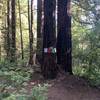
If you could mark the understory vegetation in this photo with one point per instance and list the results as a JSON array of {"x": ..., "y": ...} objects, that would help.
[
  {"x": 86, "y": 41},
  {"x": 14, "y": 79}
]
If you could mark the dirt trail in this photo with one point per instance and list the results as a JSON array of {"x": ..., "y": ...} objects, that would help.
[{"x": 72, "y": 88}]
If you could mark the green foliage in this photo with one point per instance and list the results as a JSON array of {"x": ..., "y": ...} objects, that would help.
[
  {"x": 79, "y": 71},
  {"x": 18, "y": 97},
  {"x": 38, "y": 93},
  {"x": 12, "y": 74},
  {"x": 93, "y": 75},
  {"x": 86, "y": 41},
  {"x": 4, "y": 95}
]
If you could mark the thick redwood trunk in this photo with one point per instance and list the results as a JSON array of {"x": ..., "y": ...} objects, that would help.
[
  {"x": 64, "y": 42},
  {"x": 49, "y": 67},
  {"x": 39, "y": 18},
  {"x": 39, "y": 30}
]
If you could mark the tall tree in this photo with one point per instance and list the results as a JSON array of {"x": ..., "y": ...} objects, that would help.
[
  {"x": 49, "y": 66},
  {"x": 3, "y": 27},
  {"x": 8, "y": 30},
  {"x": 13, "y": 31},
  {"x": 64, "y": 43},
  {"x": 0, "y": 52},
  {"x": 21, "y": 35},
  {"x": 30, "y": 21},
  {"x": 39, "y": 29},
  {"x": 39, "y": 18}
]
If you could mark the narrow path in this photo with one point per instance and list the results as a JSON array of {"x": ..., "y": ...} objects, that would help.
[{"x": 72, "y": 88}]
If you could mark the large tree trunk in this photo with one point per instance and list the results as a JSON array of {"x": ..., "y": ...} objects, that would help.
[
  {"x": 39, "y": 18},
  {"x": 30, "y": 21},
  {"x": 21, "y": 36},
  {"x": 13, "y": 31},
  {"x": 49, "y": 66},
  {"x": 64, "y": 42},
  {"x": 39, "y": 29}
]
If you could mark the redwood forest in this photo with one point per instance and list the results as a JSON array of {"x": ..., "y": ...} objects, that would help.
[{"x": 49, "y": 49}]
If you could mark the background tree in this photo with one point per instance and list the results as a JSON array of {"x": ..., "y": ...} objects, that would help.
[
  {"x": 8, "y": 29},
  {"x": 30, "y": 21},
  {"x": 13, "y": 31},
  {"x": 21, "y": 35}
]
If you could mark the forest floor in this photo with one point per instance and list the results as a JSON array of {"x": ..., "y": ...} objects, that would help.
[
  {"x": 65, "y": 87},
  {"x": 71, "y": 87}
]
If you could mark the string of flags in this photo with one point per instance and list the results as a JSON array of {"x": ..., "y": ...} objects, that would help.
[{"x": 50, "y": 50}]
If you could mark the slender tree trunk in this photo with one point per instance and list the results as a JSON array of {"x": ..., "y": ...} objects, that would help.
[
  {"x": 49, "y": 67},
  {"x": 21, "y": 35},
  {"x": 0, "y": 52},
  {"x": 64, "y": 43},
  {"x": 13, "y": 31},
  {"x": 30, "y": 20},
  {"x": 8, "y": 30}
]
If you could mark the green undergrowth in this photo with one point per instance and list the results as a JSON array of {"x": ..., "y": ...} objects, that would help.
[
  {"x": 15, "y": 77},
  {"x": 92, "y": 74},
  {"x": 38, "y": 92}
]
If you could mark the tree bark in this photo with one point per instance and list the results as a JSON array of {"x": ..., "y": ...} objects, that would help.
[
  {"x": 8, "y": 30},
  {"x": 0, "y": 52},
  {"x": 39, "y": 18},
  {"x": 64, "y": 42},
  {"x": 30, "y": 21},
  {"x": 39, "y": 30},
  {"x": 49, "y": 66},
  {"x": 13, "y": 31}
]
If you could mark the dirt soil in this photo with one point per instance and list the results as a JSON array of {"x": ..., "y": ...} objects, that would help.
[{"x": 72, "y": 88}]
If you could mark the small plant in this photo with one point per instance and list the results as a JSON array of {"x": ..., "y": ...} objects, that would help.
[{"x": 39, "y": 92}]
